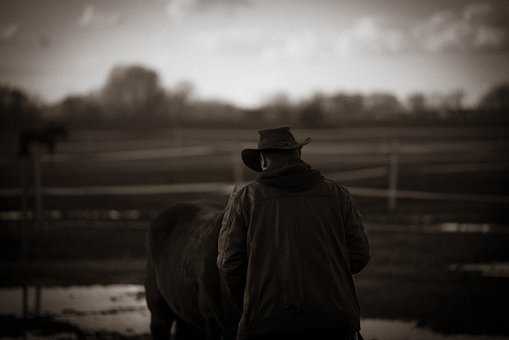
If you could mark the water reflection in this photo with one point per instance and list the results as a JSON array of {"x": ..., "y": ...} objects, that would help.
[{"x": 495, "y": 269}]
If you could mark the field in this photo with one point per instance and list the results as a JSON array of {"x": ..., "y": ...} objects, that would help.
[{"x": 449, "y": 205}]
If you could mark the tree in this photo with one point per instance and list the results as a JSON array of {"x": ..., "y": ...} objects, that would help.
[
  {"x": 81, "y": 111},
  {"x": 178, "y": 102},
  {"x": 311, "y": 111},
  {"x": 417, "y": 103},
  {"x": 453, "y": 101},
  {"x": 278, "y": 109},
  {"x": 382, "y": 105},
  {"x": 134, "y": 93},
  {"x": 344, "y": 106},
  {"x": 17, "y": 110},
  {"x": 496, "y": 99}
]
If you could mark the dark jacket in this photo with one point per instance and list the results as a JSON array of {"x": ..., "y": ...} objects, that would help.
[{"x": 288, "y": 246}]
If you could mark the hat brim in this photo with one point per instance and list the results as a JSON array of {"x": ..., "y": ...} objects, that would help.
[{"x": 251, "y": 157}]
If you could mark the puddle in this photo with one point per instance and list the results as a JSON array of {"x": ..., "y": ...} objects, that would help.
[
  {"x": 380, "y": 329},
  {"x": 121, "y": 309},
  {"x": 77, "y": 214},
  {"x": 465, "y": 228},
  {"x": 447, "y": 228},
  {"x": 494, "y": 269},
  {"x": 113, "y": 309}
]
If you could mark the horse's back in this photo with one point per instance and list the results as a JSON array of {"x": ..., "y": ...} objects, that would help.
[
  {"x": 183, "y": 249},
  {"x": 169, "y": 225}
]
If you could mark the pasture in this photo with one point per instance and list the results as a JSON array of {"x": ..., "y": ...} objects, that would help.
[{"x": 450, "y": 197}]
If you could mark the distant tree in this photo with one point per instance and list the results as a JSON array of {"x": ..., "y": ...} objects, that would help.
[
  {"x": 183, "y": 90},
  {"x": 278, "y": 109},
  {"x": 453, "y": 101},
  {"x": 178, "y": 102},
  {"x": 496, "y": 99},
  {"x": 213, "y": 113},
  {"x": 422, "y": 107},
  {"x": 448, "y": 105},
  {"x": 134, "y": 93},
  {"x": 343, "y": 107},
  {"x": 81, "y": 112},
  {"x": 417, "y": 103},
  {"x": 311, "y": 111},
  {"x": 17, "y": 110},
  {"x": 382, "y": 105}
]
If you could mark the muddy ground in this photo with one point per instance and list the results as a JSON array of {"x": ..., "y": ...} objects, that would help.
[
  {"x": 422, "y": 271},
  {"x": 416, "y": 274}
]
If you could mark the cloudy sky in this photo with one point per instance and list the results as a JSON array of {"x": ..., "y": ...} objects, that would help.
[{"x": 246, "y": 50}]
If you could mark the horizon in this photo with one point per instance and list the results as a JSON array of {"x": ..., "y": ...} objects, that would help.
[{"x": 246, "y": 51}]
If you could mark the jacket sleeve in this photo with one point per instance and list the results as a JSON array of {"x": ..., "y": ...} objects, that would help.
[
  {"x": 356, "y": 238},
  {"x": 232, "y": 253}
]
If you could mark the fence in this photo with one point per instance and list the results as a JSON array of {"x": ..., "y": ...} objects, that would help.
[{"x": 390, "y": 152}]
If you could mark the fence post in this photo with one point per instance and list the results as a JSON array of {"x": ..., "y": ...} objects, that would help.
[
  {"x": 37, "y": 173},
  {"x": 177, "y": 137},
  {"x": 36, "y": 152},
  {"x": 393, "y": 175},
  {"x": 38, "y": 300},
  {"x": 24, "y": 300},
  {"x": 25, "y": 166}
]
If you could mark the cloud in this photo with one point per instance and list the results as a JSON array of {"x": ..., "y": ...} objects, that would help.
[
  {"x": 92, "y": 16},
  {"x": 8, "y": 32},
  {"x": 44, "y": 40},
  {"x": 272, "y": 46},
  {"x": 268, "y": 45},
  {"x": 475, "y": 10},
  {"x": 302, "y": 45},
  {"x": 475, "y": 27},
  {"x": 179, "y": 9},
  {"x": 368, "y": 34}
]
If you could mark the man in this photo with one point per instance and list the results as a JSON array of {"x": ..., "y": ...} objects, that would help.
[{"x": 288, "y": 246}]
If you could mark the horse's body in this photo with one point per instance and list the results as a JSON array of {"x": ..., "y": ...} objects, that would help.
[{"x": 183, "y": 284}]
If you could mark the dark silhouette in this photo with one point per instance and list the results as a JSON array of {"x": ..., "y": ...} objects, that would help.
[
  {"x": 47, "y": 136},
  {"x": 18, "y": 110},
  {"x": 183, "y": 283},
  {"x": 496, "y": 99},
  {"x": 288, "y": 246}
]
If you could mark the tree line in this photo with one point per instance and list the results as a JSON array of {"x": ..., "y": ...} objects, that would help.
[{"x": 133, "y": 98}]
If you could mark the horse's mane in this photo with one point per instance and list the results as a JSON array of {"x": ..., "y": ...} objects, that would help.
[{"x": 179, "y": 213}]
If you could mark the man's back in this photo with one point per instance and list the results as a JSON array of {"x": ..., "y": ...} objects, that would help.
[
  {"x": 302, "y": 247},
  {"x": 289, "y": 244}
]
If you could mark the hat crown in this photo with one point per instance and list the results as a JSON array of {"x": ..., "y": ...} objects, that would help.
[
  {"x": 271, "y": 139},
  {"x": 276, "y": 138}
]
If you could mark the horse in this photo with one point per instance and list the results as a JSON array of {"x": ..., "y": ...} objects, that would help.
[
  {"x": 47, "y": 136},
  {"x": 183, "y": 285}
]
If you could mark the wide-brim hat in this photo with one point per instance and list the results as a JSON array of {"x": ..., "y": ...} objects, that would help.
[{"x": 271, "y": 139}]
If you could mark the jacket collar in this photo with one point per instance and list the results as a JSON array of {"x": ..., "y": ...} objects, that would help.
[{"x": 295, "y": 176}]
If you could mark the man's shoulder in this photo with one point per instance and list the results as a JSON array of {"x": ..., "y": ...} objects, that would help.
[
  {"x": 245, "y": 189},
  {"x": 336, "y": 187},
  {"x": 248, "y": 189},
  {"x": 253, "y": 191}
]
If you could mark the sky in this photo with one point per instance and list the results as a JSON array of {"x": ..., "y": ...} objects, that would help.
[{"x": 246, "y": 51}]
